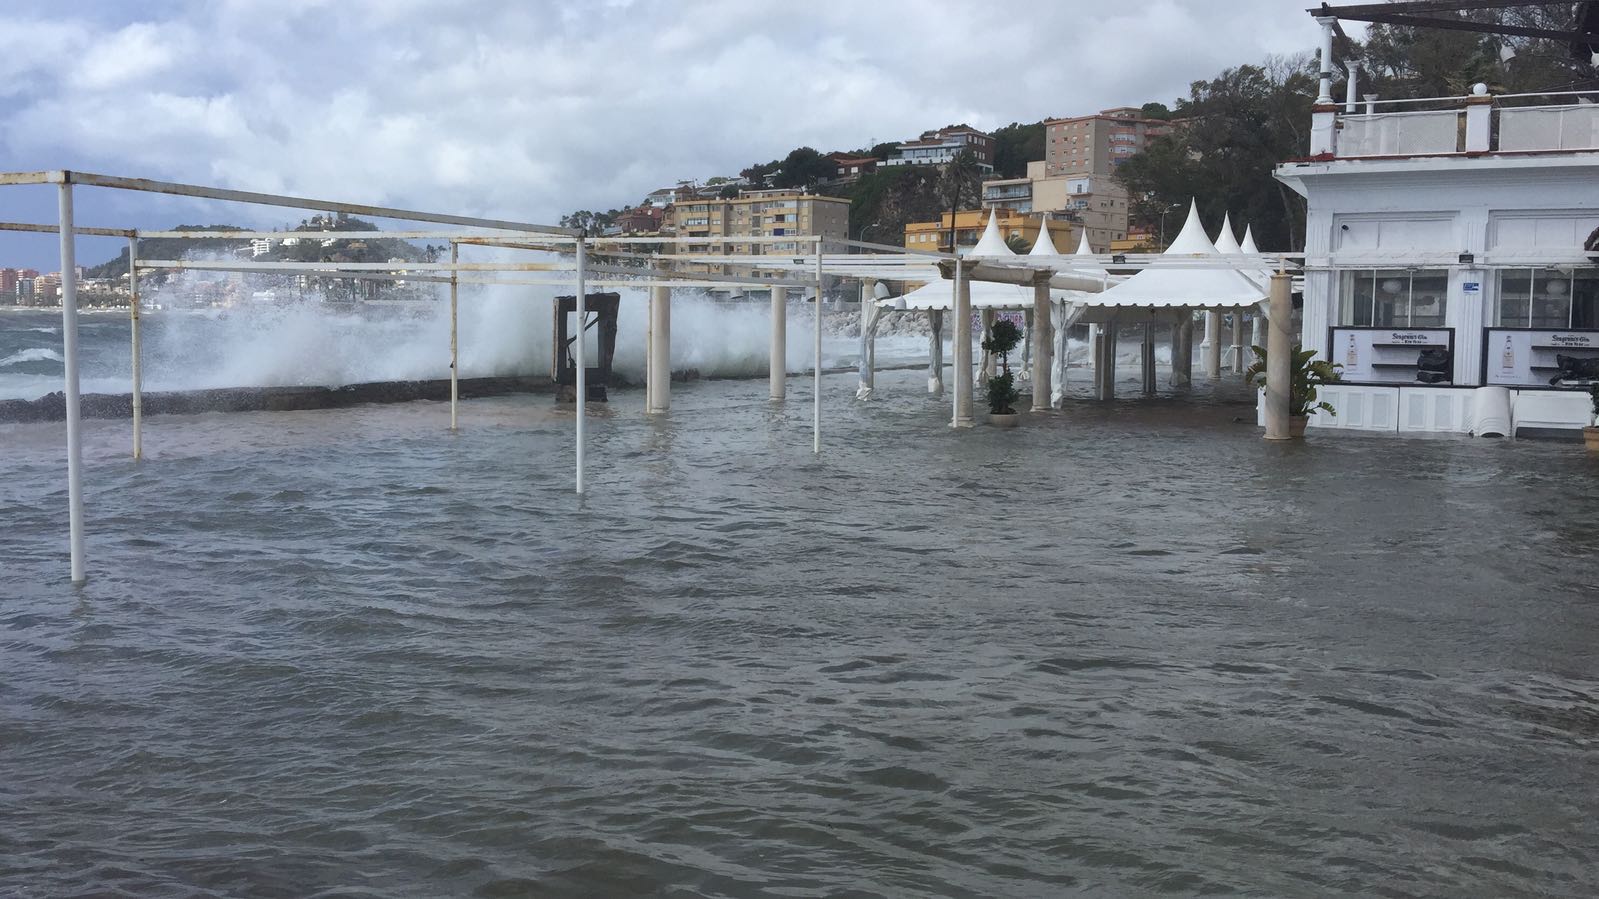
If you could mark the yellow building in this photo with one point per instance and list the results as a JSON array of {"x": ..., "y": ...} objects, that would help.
[
  {"x": 759, "y": 213},
  {"x": 1020, "y": 229}
]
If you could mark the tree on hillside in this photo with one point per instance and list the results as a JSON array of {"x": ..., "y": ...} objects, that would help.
[
  {"x": 961, "y": 182},
  {"x": 1405, "y": 62},
  {"x": 592, "y": 222},
  {"x": 883, "y": 150},
  {"x": 803, "y": 167},
  {"x": 758, "y": 173},
  {"x": 1155, "y": 111},
  {"x": 1015, "y": 145},
  {"x": 1240, "y": 126}
]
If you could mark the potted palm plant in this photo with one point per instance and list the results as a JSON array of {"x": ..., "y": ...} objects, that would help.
[
  {"x": 1002, "y": 392},
  {"x": 1590, "y": 434},
  {"x": 1305, "y": 375}
]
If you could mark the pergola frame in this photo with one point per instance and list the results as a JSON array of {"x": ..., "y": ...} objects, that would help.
[{"x": 805, "y": 271}]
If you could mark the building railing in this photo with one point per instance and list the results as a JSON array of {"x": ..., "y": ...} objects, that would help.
[{"x": 1480, "y": 123}]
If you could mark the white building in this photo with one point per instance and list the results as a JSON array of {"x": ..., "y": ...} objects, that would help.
[{"x": 1445, "y": 252}]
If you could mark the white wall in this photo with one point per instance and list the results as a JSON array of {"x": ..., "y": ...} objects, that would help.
[{"x": 1425, "y": 212}]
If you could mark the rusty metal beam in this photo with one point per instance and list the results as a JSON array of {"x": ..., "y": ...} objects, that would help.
[
  {"x": 56, "y": 229},
  {"x": 30, "y": 178},
  {"x": 90, "y": 179}
]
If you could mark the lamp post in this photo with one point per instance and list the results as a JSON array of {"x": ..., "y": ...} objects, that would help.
[{"x": 1163, "y": 214}]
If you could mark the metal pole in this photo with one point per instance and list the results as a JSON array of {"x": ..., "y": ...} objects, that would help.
[
  {"x": 868, "y": 297},
  {"x": 455, "y": 359},
  {"x": 138, "y": 374},
  {"x": 69, "y": 347},
  {"x": 658, "y": 369},
  {"x": 778, "y": 362},
  {"x": 816, "y": 411},
  {"x": 581, "y": 358},
  {"x": 1279, "y": 344}
]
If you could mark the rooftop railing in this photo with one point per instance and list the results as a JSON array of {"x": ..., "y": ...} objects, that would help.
[{"x": 1472, "y": 125}]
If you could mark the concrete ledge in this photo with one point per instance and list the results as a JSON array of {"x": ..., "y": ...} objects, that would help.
[{"x": 53, "y": 407}]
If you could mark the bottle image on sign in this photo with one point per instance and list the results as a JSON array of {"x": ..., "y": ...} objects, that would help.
[
  {"x": 1507, "y": 362},
  {"x": 1352, "y": 357}
]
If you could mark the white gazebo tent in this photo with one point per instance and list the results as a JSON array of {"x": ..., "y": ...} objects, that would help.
[
  {"x": 1163, "y": 292},
  {"x": 938, "y": 297},
  {"x": 1257, "y": 335},
  {"x": 1062, "y": 318}
]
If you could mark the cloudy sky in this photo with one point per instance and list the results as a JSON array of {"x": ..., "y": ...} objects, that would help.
[{"x": 526, "y": 110}]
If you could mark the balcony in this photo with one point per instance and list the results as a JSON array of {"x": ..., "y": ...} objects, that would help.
[
  {"x": 1466, "y": 126},
  {"x": 1008, "y": 192}
]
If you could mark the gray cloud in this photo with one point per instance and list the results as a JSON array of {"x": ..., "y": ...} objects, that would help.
[{"x": 529, "y": 110}]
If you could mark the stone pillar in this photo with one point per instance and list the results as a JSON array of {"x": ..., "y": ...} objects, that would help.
[
  {"x": 778, "y": 373},
  {"x": 935, "y": 352},
  {"x": 868, "y": 375},
  {"x": 658, "y": 377},
  {"x": 1042, "y": 345},
  {"x": 963, "y": 351},
  {"x": 1479, "y": 120},
  {"x": 1279, "y": 347}
]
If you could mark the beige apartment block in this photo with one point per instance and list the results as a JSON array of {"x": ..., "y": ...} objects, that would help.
[
  {"x": 760, "y": 213},
  {"x": 969, "y": 225}
]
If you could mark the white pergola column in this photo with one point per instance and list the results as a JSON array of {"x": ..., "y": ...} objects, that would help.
[
  {"x": 138, "y": 353},
  {"x": 1213, "y": 345},
  {"x": 778, "y": 358},
  {"x": 986, "y": 365},
  {"x": 69, "y": 352},
  {"x": 935, "y": 352},
  {"x": 1042, "y": 345},
  {"x": 868, "y": 373},
  {"x": 1238, "y": 341},
  {"x": 658, "y": 373},
  {"x": 963, "y": 350}
]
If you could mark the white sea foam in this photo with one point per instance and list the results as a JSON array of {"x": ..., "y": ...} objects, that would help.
[{"x": 32, "y": 354}]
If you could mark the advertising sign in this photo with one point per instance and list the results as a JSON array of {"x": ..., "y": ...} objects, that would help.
[
  {"x": 1394, "y": 355},
  {"x": 1517, "y": 357}
]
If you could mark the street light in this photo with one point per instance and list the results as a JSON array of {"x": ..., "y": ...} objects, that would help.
[
  {"x": 866, "y": 228},
  {"x": 1163, "y": 213}
]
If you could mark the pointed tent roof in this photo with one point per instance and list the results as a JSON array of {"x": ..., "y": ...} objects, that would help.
[
  {"x": 985, "y": 294},
  {"x": 1043, "y": 246},
  {"x": 1172, "y": 288},
  {"x": 991, "y": 244},
  {"x": 1083, "y": 249},
  {"x": 1227, "y": 241},
  {"x": 1248, "y": 246}
]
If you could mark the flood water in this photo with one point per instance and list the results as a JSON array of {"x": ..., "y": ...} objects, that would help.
[{"x": 1123, "y": 650}]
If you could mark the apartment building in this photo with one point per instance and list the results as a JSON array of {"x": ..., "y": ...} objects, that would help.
[
  {"x": 759, "y": 213},
  {"x": 1097, "y": 144},
  {"x": 1097, "y": 202},
  {"x": 940, "y": 147},
  {"x": 1017, "y": 227},
  {"x": 1077, "y": 175}
]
